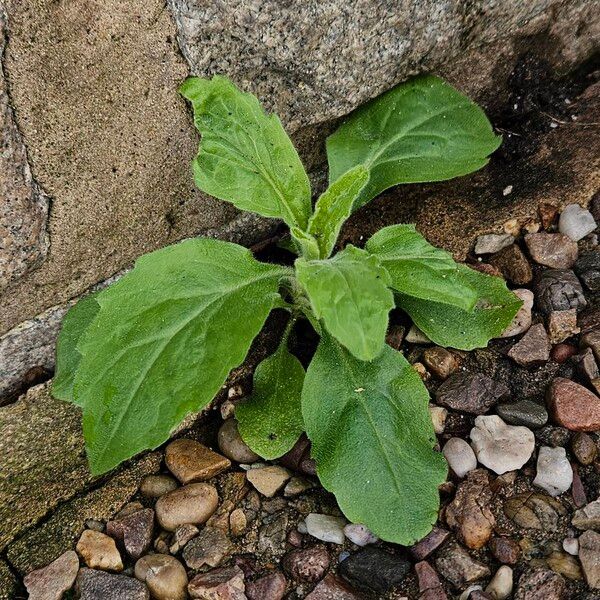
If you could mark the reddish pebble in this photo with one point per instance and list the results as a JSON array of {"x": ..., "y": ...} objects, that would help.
[
  {"x": 429, "y": 582},
  {"x": 507, "y": 551},
  {"x": 268, "y": 587},
  {"x": 433, "y": 540},
  {"x": 577, "y": 491},
  {"x": 561, "y": 353},
  {"x": 573, "y": 406}
]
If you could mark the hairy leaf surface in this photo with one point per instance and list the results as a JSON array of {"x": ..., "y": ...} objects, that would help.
[
  {"x": 422, "y": 130},
  {"x": 68, "y": 357},
  {"x": 165, "y": 338},
  {"x": 349, "y": 292},
  {"x": 449, "y": 326},
  {"x": 270, "y": 421},
  {"x": 372, "y": 439},
  {"x": 245, "y": 155},
  {"x": 334, "y": 206},
  {"x": 419, "y": 269}
]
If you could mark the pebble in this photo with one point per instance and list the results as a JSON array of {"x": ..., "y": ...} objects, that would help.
[
  {"x": 332, "y": 588},
  {"x": 307, "y": 564},
  {"x": 540, "y": 584},
  {"x": 296, "y": 486},
  {"x": 183, "y": 534},
  {"x": 208, "y": 548},
  {"x": 577, "y": 490},
  {"x": 554, "y": 472},
  {"x": 553, "y": 436},
  {"x": 155, "y": 486},
  {"x": 191, "y": 461},
  {"x": 524, "y": 412},
  {"x": 576, "y": 222},
  {"x": 373, "y": 569},
  {"x": 438, "y": 418},
  {"x": 522, "y": 320},
  {"x": 501, "y": 585},
  {"x": 273, "y": 534},
  {"x": 586, "y": 365},
  {"x": 501, "y": 447},
  {"x": 51, "y": 582},
  {"x": 553, "y": 250},
  {"x": 226, "y": 583},
  {"x": 460, "y": 456},
  {"x": 431, "y": 542},
  {"x": 457, "y": 566},
  {"x": 533, "y": 348},
  {"x": 491, "y": 243},
  {"x": 360, "y": 534},
  {"x": 268, "y": 587},
  {"x": 564, "y": 564},
  {"x": 513, "y": 265},
  {"x": 395, "y": 335},
  {"x": 505, "y": 550},
  {"x": 562, "y": 324},
  {"x": 587, "y": 517},
  {"x": 193, "y": 503},
  {"x": 164, "y": 575},
  {"x": 134, "y": 531},
  {"x": 561, "y": 353},
  {"x": 571, "y": 545},
  {"x": 587, "y": 268},
  {"x": 589, "y": 555},
  {"x": 548, "y": 213},
  {"x": 98, "y": 585},
  {"x": 233, "y": 446},
  {"x": 99, "y": 551},
  {"x": 268, "y": 480},
  {"x": 573, "y": 406},
  {"x": 237, "y": 522},
  {"x": 430, "y": 585},
  {"x": 558, "y": 289},
  {"x": 325, "y": 527},
  {"x": 441, "y": 362},
  {"x": 584, "y": 448},
  {"x": 534, "y": 511},
  {"x": 591, "y": 339},
  {"x": 416, "y": 336},
  {"x": 473, "y": 393}
]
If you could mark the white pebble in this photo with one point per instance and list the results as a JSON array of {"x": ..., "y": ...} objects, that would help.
[
  {"x": 416, "y": 336},
  {"x": 467, "y": 593},
  {"x": 522, "y": 320},
  {"x": 507, "y": 190},
  {"x": 359, "y": 534},
  {"x": 460, "y": 456},
  {"x": 501, "y": 585},
  {"x": 325, "y": 527},
  {"x": 302, "y": 527},
  {"x": 554, "y": 472},
  {"x": 438, "y": 418},
  {"x": 571, "y": 545},
  {"x": 576, "y": 222},
  {"x": 493, "y": 242}
]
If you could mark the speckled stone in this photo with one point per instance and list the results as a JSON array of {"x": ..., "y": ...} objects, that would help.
[
  {"x": 50, "y": 582},
  {"x": 524, "y": 412},
  {"x": 553, "y": 250},
  {"x": 190, "y": 461},
  {"x": 573, "y": 406}
]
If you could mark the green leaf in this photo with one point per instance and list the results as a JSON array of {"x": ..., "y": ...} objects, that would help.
[
  {"x": 372, "y": 440},
  {"x": 68, "y": 357},
  {"x": 419, "y": 269},
  {"x": 306, "y": 243},
  {"x": 349, "y": 292},
  {"x": 334, "y": 206},
  {"x": 422, "y": 130},
  {"x": 449, "y": 326},
  {"x": 270, "y": 421},
  {"x": 165, "y": 338},
  {"x": 245, "y": 156}
]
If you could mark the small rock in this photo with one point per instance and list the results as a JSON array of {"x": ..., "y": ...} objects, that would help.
[
  {"x": 155, "y": 486},
  {"x": 534, "y": 511},
  {"x": 296, "y": 486},
  {"x": 589, "y": 555},
  {"x": 267, "y": 587},
  {"x": 562, "y": 324},
  {"x": 332, "y": 588},
  {"x": 586, "y": 365},
  {"x": 438, "y": 418},
  {"x": 233, "y": 446},
  {"x": 460, "y": 456},
  {"x": 501, "y": 447},
  {"x": 473, "y": 393},
  {"x": 548, "y": 213},
  {"x": 524, "y": 412},
  {"x": 431, "y": 542},
  {"x": 441, "y": 362},
  {"x": 584, "y": 448},
  {"x": 573, "y": 406},
  {"x": 491, "y": 243},
  {"x": 554, "y": 472},
  {"x": 559, "y": 289},
  {"x": 505, "y": 550},
  {"x": 191, "y": 462},
  {"x": 209, "y": 547},
  {"x": 237, "y": 522},
  {"x": 561, "y": 353},
  {"x": 98, "y": 585},
  {"x": 226, "y": 583},
  {"x": 416, "y": 336},
  {"x": 395, "y": 335},
  {"x": 308, "y": 564},
  {"x": 469, "y": 514},
  {"x": 591, "y": 339},
  {"x": 553, "y": 436},
  {"x": 297, "y": 458},
  {"x": 164, "y": 575},
  {"x": 51, "y": 582},
  {"x": 272, "y": 535},
  {"x": 540, "y": 584},
  {"x": 501, "y": 585},
  {"x": 193, "y": 503},
  {"x": 576, "y": 222},
  {"x": 456, "y": 565},
  {"x": 553, "y": 250},
  {"x": 99, "y": 551},
  {"x": 513, "y": 264},
  {"x": 430, "y": 586},
  {"x": 268, "y": 480},
  {"x": 587, "y": 517},
  {"x": 587, "y": 268},
  {"x": 373, "y": 569},
  {"x": 359, "y": 534},
  {"x": 577, "y": 490},
  {"x": 564, "y": 565},
  {"x": 533, "y": 348},
  {"x": 522, "y": 320},
  {"x": 571, "y": 545},
  {"x": 183, "y": 534},
  {"x": 134, "y": 531},
  {"x": 325, "y": 527}
]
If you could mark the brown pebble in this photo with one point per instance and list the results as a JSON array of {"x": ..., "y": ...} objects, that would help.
[
  {"x": 561, "y": 353},
  {"x": 512, "y": 263},
  {"x": 431, "y": 542},
  {"x": 190, "y": 461},
  {"x": 440, "y": 362},
  {"x": 577, "y": 489},
  {"x": 548, "y": 213},
  {"x": 506, "y": 550},
  {"x": 553, "y": 250},
  {"x": 268, "y": 587},
  {"x": 308, "y": 564},
  {"x": 573, "y": 406},
  {"x": 584, "y": 448}
]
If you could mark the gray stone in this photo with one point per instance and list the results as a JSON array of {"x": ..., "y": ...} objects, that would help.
[
  {"x": 373, "y": 569},
  {"x": 587, "y": 268},
  {"x": 456, "y": 565},
  {"x": 98, "y": 585},
  {"x": 474, "y": 393},
  {"x": 576, "y": 222},
  {"x": 522, "y": 320},
  {"x": 493, "y": 242},
  {"x": 559, "y": 289},
  {"x": 540, "y": 584},
  {"x": 587, "y": 517},
  {"x": 589, "y": 555},
  {"x": 553, "y": 250},
  {"x": 134, "y": 531},
  {"x": 524, "y": 412},
  {"x": 533, "y": 348},
  {"x": 359, "y": 534},
  {"x": 272, "y": 534},
  {"x": 501, "y": 585},
  {"x": 326, "y": 528},
  {"x": 460, "y": 456},
  {"x": 219, "y": 584},
  {"x": 209, "y": 547},
  {"x": 51, "y": 582},
  {"x": 554, "y": 472}
]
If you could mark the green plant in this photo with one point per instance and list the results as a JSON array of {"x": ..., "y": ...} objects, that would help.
[{"x": 140, "y": 355}]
